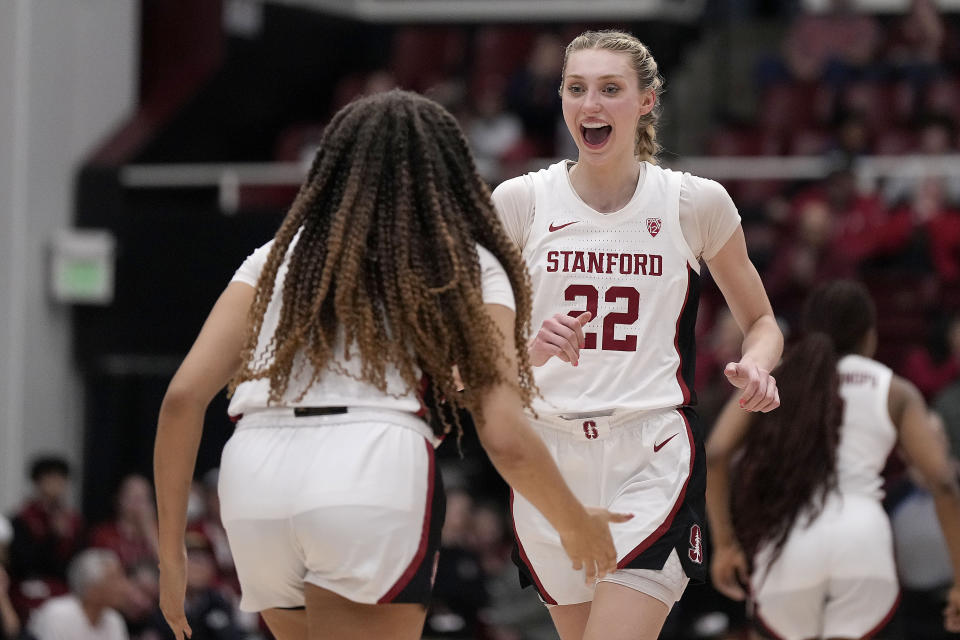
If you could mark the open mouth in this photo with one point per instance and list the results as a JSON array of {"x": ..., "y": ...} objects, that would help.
[{"x": 595, "y": 134}]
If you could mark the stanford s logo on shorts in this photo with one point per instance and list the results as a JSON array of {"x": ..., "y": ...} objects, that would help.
[
  {"x": 590, "y": 430},
  {"x": 653, "y": 226},
  {"x": 695, "y": 552}
]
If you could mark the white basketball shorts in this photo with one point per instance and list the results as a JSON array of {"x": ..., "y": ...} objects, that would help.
[
  {"x": 835, "y": 577},
  {"x": 352, "y": 503},
  {"x": 649, "y": 465}
]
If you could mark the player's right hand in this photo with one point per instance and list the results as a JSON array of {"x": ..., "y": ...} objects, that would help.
[
  {"x": 590, "y": 545},
  {"x": 951, "y": 613},
  {"x": 729, "y": 572},
  {"x": 560, "y": 336}
]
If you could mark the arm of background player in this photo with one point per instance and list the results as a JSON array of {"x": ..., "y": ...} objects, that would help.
[
  {"x": 928, "y": 453},
  {"x": 762, "y": 340},
  {"x": 523, "y": 460},
  {"x": 728, "y": 565},
  {"x": 211, "y": 362}
]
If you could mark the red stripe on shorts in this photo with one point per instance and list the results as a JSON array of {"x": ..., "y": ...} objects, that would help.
[
  {"x": 424, "y": 536},
  {"x": 526, "y": 561},
  {"x": 758, "y": 619},
  {"x": 886, "y": 619},
  {"x": 665, "y": 526}
]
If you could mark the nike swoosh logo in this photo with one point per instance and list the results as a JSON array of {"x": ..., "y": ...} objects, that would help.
[
  {"x": 657, "y": 447},
  {"x": 553, "y": 228}
]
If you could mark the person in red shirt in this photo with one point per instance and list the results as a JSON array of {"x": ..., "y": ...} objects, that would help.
[
  {"x": 47, "y": 533},
  {"x": 132, "y": 535}
]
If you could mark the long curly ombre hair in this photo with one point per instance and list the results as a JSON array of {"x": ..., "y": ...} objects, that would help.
[{"x": 380, "y": 244}]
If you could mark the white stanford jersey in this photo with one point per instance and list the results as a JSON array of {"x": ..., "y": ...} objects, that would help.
[
  {"x": 632, "y": 269},
  {"x": 334, "y": 387},
  {"x": 867, "y": 435}
]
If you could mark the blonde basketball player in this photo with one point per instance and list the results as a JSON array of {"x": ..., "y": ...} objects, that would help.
[
  {"x": 803, "y": 508},
  {"x": 390, "y": 265},
  {"x": 613, "y": 244}
]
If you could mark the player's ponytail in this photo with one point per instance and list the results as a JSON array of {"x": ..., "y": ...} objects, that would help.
[
  {"x": 789, "y": 462},
  {"x": 647, "y": 146}
]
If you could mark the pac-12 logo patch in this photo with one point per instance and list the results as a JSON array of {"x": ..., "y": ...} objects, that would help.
[
  {"x": 695, "y": 552},
  {"x": 653, "y": 226}
]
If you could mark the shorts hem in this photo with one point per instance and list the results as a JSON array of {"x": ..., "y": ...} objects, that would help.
[
  {"x": 645, "y": 586},
  {"x": 255, "y": 607}
]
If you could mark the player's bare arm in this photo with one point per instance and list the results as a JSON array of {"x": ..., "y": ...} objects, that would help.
[
  {"x": 927, "y": 451},
  {"x": 743, "y": 291},
  {"x": 522, "y": 459},
  {"x": 728, "y": 567},
  {"x": 212, "y": 360}
]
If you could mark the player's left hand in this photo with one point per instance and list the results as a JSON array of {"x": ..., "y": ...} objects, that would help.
[
  {"x": 951, "y": 613},
  {"x": 173, "y": 591},
  {"x": 760, "y": 391}
]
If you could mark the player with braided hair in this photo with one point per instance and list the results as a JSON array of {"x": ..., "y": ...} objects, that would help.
[
  {"x": 391, "y": 268},
  {"x": 613, "y": 243},
  {"x": 794, "y": 496}
]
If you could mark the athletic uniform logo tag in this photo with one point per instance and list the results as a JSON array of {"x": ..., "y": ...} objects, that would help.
[
  {"x": 554, "y": 227},
  {"x": 657, "y": 447},
  {"x": 653, "y": 226},
  {"x": 695, "y": 552},
  {"x": 590, "y": 430}
]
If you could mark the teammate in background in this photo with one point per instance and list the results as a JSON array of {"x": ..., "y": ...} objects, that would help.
[
  {"x": 390, "y": 266},
  {"x": 613, "y": 244},
  {"x": 801, "y": 525}
]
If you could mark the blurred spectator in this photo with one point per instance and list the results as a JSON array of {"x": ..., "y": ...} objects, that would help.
[
  {"x": 132, "y": 534},
  {"x": 832, "y": 44},
  {"x": 856, "y": 217},
  {"x": 923, "y": 234},
  {"x": 853, "y": 139},
  {"x": 915, "y": 42},
  {"x": 204, "y": 519},
  {"x": 491, "y": 130},
  {"x": 935, "y": 366},
  {"x": 532, "y": 92},
  {"x": 97, "y": 587},
  {"x": 47, "y": 533},
  {"x": 807, "y": 255},
  {"x": 511, "y": 613},
  {"x": 210, "y": 614},
  {"x": 936, "y": 135},
  {"x": 458, "y": 592}
]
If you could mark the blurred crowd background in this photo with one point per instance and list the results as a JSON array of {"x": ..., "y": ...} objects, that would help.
[{"x": 185, "y": 132}]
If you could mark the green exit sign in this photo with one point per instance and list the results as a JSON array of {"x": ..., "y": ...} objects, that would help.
[{"x": 82, "y": 266}]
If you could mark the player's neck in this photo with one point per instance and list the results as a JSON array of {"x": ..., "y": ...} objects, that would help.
[{"x": 605, "y": 188}]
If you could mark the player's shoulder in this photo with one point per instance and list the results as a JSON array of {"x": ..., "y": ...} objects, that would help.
[
  {"x": 703, "y": 192},
  {"x": 514, "y": 189}
]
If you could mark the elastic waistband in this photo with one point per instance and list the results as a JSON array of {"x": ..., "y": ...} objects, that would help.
[
  {"x": 573, "y": 422},
  {"x": 295, "y": 417}
]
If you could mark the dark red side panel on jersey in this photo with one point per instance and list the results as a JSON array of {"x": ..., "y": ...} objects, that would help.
[
  {"x": 685, "y": 337},
  {"x": 416, "y": 583}
]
